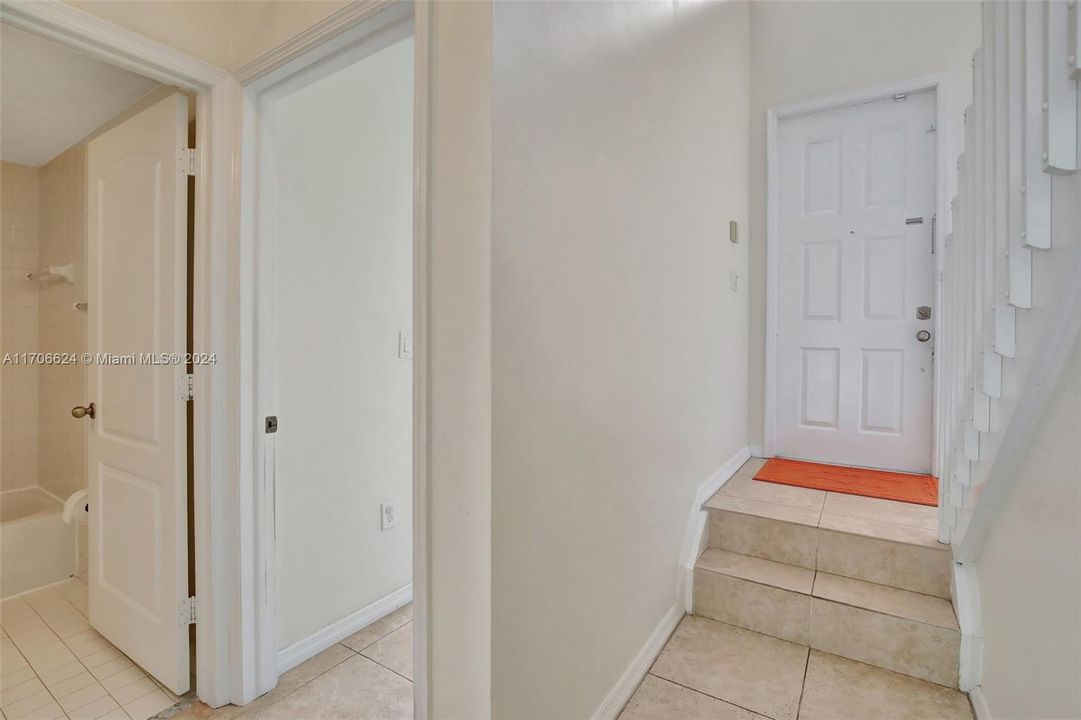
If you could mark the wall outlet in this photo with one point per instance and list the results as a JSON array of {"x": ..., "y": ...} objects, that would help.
[{"x": 388, "y": 515}]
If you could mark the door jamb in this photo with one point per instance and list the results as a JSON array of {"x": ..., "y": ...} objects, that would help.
[
  {"x": 946, "y": 187},
  {"x": 217, "y": 634},
  {"x": 324, "y": 39}
]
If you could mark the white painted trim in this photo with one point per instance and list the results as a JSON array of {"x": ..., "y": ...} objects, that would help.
[
  {"x": 77, "y": 29},
  {"x": 979, "y": 703},
  {"x": 219, "y": 631},
  {"x": 758, "y": 451},
  {"x": 966, "y": 598},
  {"x": 320, "y": 640},
  {"x": 696, "y": 525},
  {"x": 946, "y": 181},
  {"x": 628, "y": 682},
  {"x": 422, "y": 73},
  {"x": 325, "y": 42},
  {"x": 297, "y": 46}
]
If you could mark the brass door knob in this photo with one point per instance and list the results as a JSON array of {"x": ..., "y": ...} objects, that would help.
[{"x": 80, "y": 412}]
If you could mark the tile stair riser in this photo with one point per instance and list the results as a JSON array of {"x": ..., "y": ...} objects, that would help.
[
  {"x": 773, "y": 611},
  {"x": 765, "y": 538},
  {"x": 909, "y": 567},
  {"x": 923, "y": 651},
  {"x": 917, "y": 649}
]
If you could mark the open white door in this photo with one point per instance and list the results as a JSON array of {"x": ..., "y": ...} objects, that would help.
[{"x": 137, "y": 448}]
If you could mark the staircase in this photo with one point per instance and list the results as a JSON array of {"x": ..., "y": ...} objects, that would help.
[
  {"x": 1011, "y": 261},
  {"x": 861, "y": 578}
]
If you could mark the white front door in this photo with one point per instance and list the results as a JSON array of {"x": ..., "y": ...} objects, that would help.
[
  {"x": 137, "y": 449},
  {"x": 857, "y": 197}
]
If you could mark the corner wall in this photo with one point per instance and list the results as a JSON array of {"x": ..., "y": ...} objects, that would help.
[
  {"x": 807, "y": 49},
  {"x": 1028, "y": 573},
  {"x": 618, "y": 343}
]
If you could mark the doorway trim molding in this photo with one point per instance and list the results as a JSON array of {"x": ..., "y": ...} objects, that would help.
[
  {"x": 946, "y": 187},
  {"x": 327, "y": 41},
  {"x": 218, "y": 631}
]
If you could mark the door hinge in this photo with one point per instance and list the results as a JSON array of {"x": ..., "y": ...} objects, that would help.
[
  {"x": 186, "y": 612},
  {"x": 934, "y": 228},
  {"x": 186, "y": 386},
  {"x": 185, "y": 161}
]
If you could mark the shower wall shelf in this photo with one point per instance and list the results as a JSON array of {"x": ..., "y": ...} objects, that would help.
[{"x": 63, "y": 272}]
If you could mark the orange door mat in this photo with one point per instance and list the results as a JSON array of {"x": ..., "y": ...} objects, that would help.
[{"x": 918, "y": 489}]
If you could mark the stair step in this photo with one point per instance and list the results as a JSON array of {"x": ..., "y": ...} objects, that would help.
[
  {"x": 879, "y": 541},
  {"x": 761, "y": 595},
  {"x": 887, "y": 627},
  {"x": 895, "y": 629}
]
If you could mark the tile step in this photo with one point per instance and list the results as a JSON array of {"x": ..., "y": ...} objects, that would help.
[
  {"x": 906, "y": 558},
  {"x": 910, "y": 633}
]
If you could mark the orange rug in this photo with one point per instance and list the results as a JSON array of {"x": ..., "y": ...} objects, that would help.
[{"x": 918, "y": 489}]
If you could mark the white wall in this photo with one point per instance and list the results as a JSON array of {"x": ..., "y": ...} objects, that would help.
[
  {"x": 807, "y": 49},
  {"x": 1029, "y": 574},
  {"x": 343, "y": 291},
  {"x": 458, "y": 444},
  {"x": 618, "y": 349}
]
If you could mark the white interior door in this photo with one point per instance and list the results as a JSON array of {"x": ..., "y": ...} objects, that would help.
[
  {"x": 136, "y": 274},
  {"x": 854, "y": 383}
]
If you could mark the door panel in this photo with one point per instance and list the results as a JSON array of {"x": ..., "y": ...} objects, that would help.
[
  {"x": 854, "y": 383},
  {"x": 136, "y": 275}
]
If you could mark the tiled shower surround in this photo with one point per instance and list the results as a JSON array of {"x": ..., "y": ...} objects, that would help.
[
  {"x": 43, "y": 223},
  {"x": 19, "y": 254}
]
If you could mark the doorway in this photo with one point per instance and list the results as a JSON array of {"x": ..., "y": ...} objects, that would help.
[
  {"x": 330, "y": 193},
  {"x": 99, "y": 205},
  {"x": 854, "y": 199}
]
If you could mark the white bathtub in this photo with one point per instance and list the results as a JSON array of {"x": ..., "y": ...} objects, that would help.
[{"x": 36, "y": 546}]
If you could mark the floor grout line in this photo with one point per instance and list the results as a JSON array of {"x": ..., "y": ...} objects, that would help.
[
  {"x": 709, "y": 695},
  {"x": 803, "y": 684}
]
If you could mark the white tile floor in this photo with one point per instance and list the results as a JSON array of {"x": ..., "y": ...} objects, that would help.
[{"x": 54, "y": 665}]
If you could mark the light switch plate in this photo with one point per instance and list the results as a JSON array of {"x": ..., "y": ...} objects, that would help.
[{"x": 405, "y": 344}]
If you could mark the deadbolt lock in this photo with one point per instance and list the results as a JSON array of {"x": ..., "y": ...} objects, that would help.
[{"x": 923, "y": 312}]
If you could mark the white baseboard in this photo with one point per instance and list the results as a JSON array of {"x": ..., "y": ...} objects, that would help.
[
  {"x": 966, "y": 600},
  {"x": 628, "y": 682},
  {"x": 979, "y": 703},
  {"x": 320, "y": 640},
  {"x": 696, "y": 524},
  {"x": 758, "y": 451}
]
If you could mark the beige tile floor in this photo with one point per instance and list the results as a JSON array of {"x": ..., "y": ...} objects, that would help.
[
  {"x": 367, "y": 676},
  {"x": 54, "y": 665},
  {"x": 884, "y": 519},
  {"x": 721, "y": 672}
]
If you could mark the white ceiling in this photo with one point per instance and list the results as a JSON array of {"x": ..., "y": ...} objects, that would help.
[{"x": 52, "y": 97}]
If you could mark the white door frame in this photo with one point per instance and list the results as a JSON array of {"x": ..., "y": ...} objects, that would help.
[
  {"x": 230, "y": 586},
  {"x": 217, "y": 633},
  {"x": 946, "y": 185},
  {"x": 258, "y": 78}
]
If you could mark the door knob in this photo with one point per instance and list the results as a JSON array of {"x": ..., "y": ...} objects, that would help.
[
  {"x": 922, "y": 336},
  {"x": 80, "y": 412}
]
